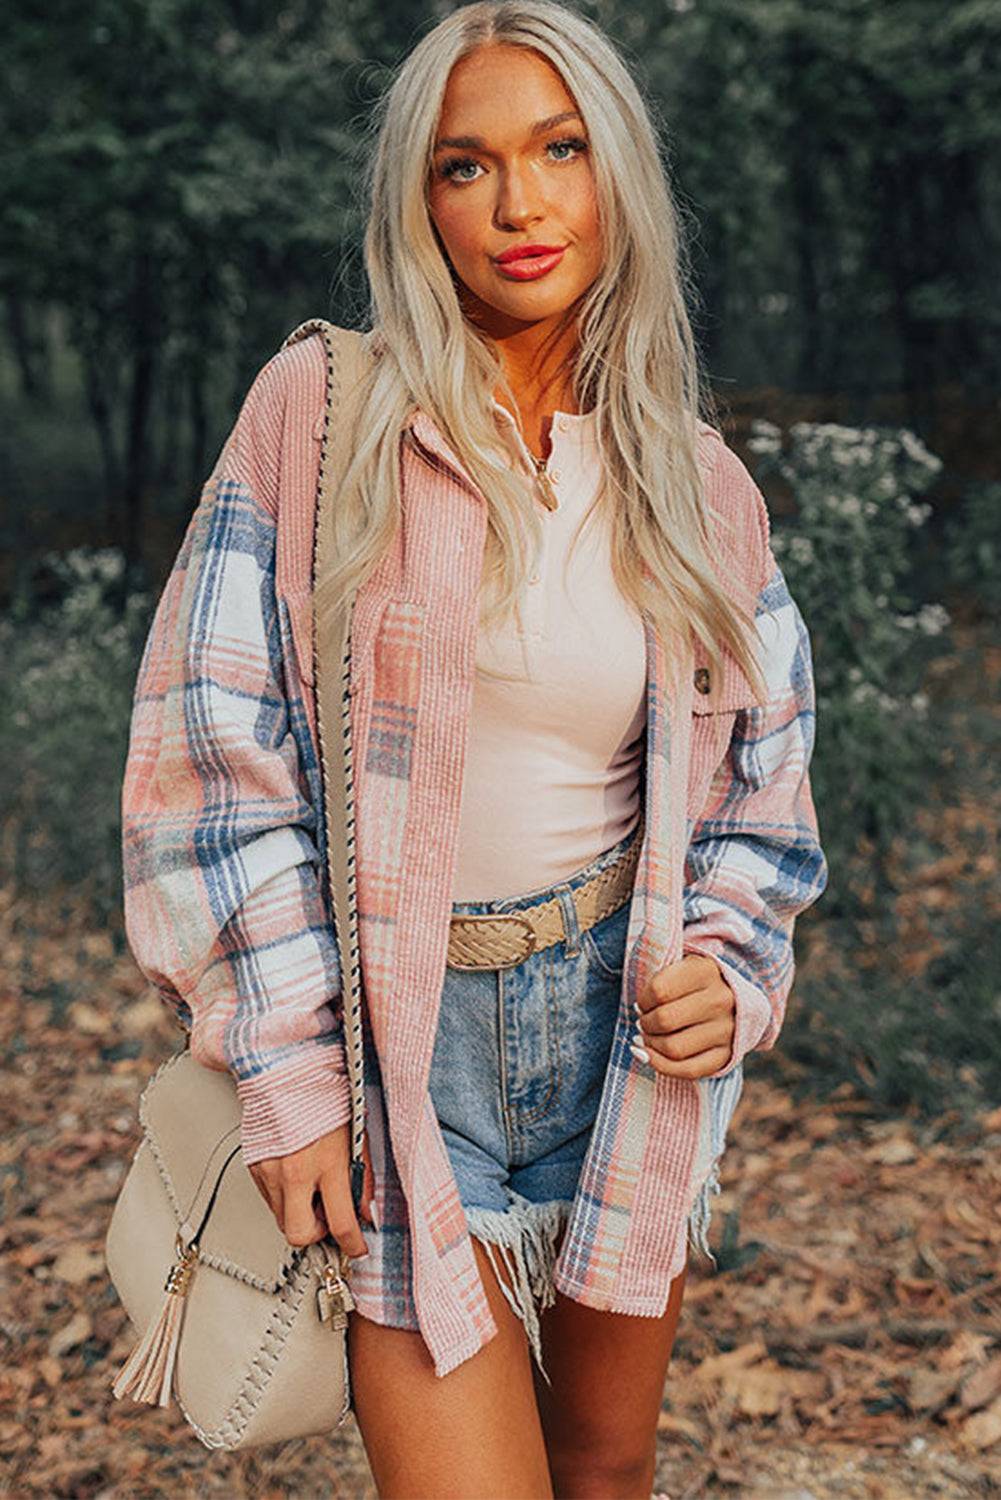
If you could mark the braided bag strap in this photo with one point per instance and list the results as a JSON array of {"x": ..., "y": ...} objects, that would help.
[{"x": 347, "y": 359}]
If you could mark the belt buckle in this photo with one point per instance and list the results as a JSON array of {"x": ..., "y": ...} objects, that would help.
[{"x": 502, "y": 916}]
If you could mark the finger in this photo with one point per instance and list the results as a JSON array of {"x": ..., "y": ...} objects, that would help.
[
  {"x": 687, "y": 975},
  {"x": 678, "y": 1046},
  {"x": 673, "y": 1018},
  {"x": 270, "y": 1189},
  {"x": 665, "y": 1027},
  {"x": 301, "y": 1226},
  {"x": 261, "y": 1186},
  {"x": 342, "y": 1222},
  {"x": 690, "y": 1067},
  {"x": 368, "y": 1183}
]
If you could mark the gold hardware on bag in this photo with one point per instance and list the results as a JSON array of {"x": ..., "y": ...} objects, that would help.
[
  {"x": 180, "y": 1274},
  {"x": 333, "y": 1298},
  {"x": 148, "y": 1373}
]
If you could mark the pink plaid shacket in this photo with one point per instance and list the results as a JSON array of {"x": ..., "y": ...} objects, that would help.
[{"x": 226, "y": 903}]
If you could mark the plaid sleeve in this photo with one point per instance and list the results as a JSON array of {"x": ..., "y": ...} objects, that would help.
[
  {"x": 754, "y": 859},
  {"x": 223, "y": 901}
]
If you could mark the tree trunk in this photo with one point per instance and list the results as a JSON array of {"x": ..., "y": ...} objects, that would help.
[
  {"x": 100, "y": 405},
  {"x": 199, "y": 423},
  {"x": 30, "y": 348},
  {"x": 145, "y": 321},
  {"x": 807, "y": 223}
]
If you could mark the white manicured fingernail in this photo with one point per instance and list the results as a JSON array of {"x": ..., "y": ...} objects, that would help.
[
  {"x": 374, "y": 1209},
  {"x": 640, "y": 1052}
]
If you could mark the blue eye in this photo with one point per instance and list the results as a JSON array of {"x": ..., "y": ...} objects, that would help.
[{"x": 451, "y": 168}]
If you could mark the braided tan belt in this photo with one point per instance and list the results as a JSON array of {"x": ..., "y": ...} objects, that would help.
[{"x": 498, "y": 940}]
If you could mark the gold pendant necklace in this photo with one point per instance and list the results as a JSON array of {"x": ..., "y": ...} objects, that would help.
[{"x": 549, "y": 497}]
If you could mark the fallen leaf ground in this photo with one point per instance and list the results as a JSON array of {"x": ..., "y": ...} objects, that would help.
[{"x": 852, "y": 1349}]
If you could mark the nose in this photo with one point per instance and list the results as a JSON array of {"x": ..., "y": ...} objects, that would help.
[{"x": 518, "y": 199}]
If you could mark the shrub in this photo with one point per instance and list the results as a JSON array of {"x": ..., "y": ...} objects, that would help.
[
  {"x": 850, "y": 557},
  {"x": 69, "y": 653}
]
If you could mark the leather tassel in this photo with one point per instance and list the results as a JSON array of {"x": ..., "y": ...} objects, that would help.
[{"x": 148, "y": 1373}]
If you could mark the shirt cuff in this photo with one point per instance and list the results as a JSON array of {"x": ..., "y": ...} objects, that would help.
[
  {"x": 753, "y": 1013},
  {"x": 294, "y": 1103}
]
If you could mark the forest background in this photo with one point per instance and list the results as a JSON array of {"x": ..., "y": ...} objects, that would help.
[{"x": 180, "y": 189}]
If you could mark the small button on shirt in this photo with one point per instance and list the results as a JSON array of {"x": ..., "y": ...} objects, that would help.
[{"x": 553, "y": 765}]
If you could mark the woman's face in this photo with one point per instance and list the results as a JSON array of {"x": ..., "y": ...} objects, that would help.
[{"x": 512, "y": 168}]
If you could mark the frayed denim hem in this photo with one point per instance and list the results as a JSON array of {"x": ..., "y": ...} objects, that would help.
[
  {"x": 525, "y": 1235},
  {"x": 701, "y": 1215}
]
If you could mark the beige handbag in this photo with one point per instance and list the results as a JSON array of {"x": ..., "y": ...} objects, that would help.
[{"x": 248, "y": 1332}]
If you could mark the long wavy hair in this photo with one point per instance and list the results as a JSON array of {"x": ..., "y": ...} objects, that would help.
[{"x": 634, "y": 361}]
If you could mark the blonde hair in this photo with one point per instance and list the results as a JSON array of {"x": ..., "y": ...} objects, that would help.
[{"x": 635, "y": 362}]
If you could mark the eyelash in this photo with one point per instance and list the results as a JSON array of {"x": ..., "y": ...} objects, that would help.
[{"x": 449, "y": 168}]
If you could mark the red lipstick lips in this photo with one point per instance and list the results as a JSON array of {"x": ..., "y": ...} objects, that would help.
[
  {"x": 518, "y": 252},
  {"x": 528, "y": 262}
]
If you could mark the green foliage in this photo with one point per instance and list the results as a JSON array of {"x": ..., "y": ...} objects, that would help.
[
  {"x": 973, "y": 547},
  {"x": 67, "y": 671},
  {"x": 872, "y": 1018},
  {"x": 850, "y": 559},
  {"x": 930, "y": 1042}
]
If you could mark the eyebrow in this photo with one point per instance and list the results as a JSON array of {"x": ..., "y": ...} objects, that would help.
[{"x": 477, "y": 143}]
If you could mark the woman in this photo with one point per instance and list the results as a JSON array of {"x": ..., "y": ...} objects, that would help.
[{"x": 584, "y": 821}]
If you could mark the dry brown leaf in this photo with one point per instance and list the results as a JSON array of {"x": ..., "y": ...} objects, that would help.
[
  {"x": 717, "y": 1365},
  {"x": 982, "y": 1386},
  {"x": 983, "y": 1429},
  {"x": 669, "y": 1421},
  {"x": 72, "y": 1333},
  {"x": 76, "y": 1264},
  {"x": 928, "y": 1390},
  {"x": 897, "y": 1151},
  {"x": 88, "y": 1019},
  {"x": 50, "y": 1370}
]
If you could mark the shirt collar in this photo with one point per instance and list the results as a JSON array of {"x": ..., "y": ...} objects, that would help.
[{"x": 577, "y": 424}]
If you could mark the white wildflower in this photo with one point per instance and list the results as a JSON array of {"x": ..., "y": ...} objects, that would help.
[
  {"x": 932, "y": 619},
  {"x": 916, "y": 450}
]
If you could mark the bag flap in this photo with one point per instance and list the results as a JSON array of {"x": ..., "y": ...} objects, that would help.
[{"x": 190, "y": 1117}]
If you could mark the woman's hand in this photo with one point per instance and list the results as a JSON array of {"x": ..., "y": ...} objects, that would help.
[
  {"x": 309, "y": 1191},
  {"x": 686, "y": 1018}
]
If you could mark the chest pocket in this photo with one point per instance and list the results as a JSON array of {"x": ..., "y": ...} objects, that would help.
[
  {"x": 717, "y": 697},
  {"x": 298, "y": 608},
  {"x": 297, "y": 622}
]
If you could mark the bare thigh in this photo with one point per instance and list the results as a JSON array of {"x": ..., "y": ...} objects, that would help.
[
  {"x": 599, "y": 1418},
  {"x": 472, "y": 1432}
]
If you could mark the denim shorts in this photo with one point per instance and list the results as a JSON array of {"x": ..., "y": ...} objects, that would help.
[{"x": 516, "y": 1078}]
